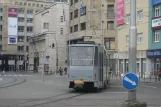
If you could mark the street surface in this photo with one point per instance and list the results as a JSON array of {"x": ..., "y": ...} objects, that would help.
[{"x": 54, "y": 92}]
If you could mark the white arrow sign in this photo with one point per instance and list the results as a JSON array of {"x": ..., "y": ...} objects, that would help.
[{"x": 130, "y": 81}]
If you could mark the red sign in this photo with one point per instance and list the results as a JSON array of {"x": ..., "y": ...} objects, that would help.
[{"x": 12, "y": 12}]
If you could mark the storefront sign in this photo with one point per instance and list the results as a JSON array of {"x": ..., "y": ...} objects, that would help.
[
  {"x": 155, "y": 53},
  {"x": 156, "y": 22},
  {"x": 154, "y": 2},
  {"x": 12, "y": 12}
]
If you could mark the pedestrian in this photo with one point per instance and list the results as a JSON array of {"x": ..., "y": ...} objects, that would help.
[
  {"x": 61, "y": 71},
  {"x": 159, "y": 75},
  {"x": 65, "y": 70}
]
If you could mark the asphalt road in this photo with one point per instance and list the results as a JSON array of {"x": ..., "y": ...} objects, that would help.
[{"x": 54, "y": 92}]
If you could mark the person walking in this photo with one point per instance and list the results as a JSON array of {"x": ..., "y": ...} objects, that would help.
[{"x": 61, "y": 71}]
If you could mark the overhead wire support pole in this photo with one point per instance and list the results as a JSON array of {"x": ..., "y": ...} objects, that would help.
[{"x": 132, "y": 46}]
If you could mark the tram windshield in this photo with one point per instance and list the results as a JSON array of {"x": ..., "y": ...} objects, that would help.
[{"x": 81, "y": 56}]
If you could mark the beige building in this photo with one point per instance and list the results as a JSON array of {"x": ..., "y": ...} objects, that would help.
[
  {"x": 51, "y": 31},
  {"x": 93, "y": 20},
  {"x": 142, "y": 38},
  {"x": 17, "y": 21}
]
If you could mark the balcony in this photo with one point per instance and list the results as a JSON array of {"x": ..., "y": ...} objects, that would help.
[{"x": 30, "y": 24}]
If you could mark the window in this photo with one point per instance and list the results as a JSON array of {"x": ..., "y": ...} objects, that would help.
[
  {"x": 139, "y": 38},
  {"x": 128, "y": 19},
  {"x": 0, "y": 47},
  {"x": 27, "y": 48},
  {"x": 29, "y": 29},
  {"x": 157, "y": 11},
  {"x": 140, "y": 15},
  {"x": 127, "y": 1},
  {"x": 83, "y": 26},
  {"x": 61, "y": 18},
  {"x": 71, "y": 15},
  {"x": 1, "y": 9},
  {"x": 1, "y": 18},
  {"x": 110, "y": 12},
  {"x": 0, "y": 27},
  {"x": 109, "y": 43},
  {"x": 76, "y": 1},
  {"x": 20, "y": 38},
  {"x": 156, "y": 36},
  {"x": 0, "y": 37},
  {"x": 27, "y": 38},
  {"x": 75, "y": 13},
  {"x": 33, "y": 4},
  {"x": 46, "y": 25},
  {"x": 71, "y": 29},
  {"x": 29, "y": 20},
  {"x": 20, "y": 28},
  {"x": 83, "y": 11},
  {"x": 29, "y": 4},
  {"x": 71, "y": 2},
  {"x": 61, "y": 31},
  {"x": 37, "y": 5},
  {"x": 21, "y": 11},
  {"x": 21, "y": 19},
  {"x": 127, "y": 39},
  {"x": 110, "y": 25},
  {"x": 42, "y": 5},
  {"x": 75, "y": 28},
  {"x": 29, "y": 11},
  {"x": 20, "y": 48}
]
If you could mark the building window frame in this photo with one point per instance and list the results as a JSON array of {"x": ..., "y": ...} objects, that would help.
[
  {"x": 76, "y": 28},
  {"x": 110, "y": 25},
  {"x": 76, "y": 13},
  {"x": 156, "y": 36},
  {"x": 157, "y": 11},
  {"x": 127, "y": 39},
  {"x": 83, "y": 26},
  {"x": 140, "y": 15},
  {"x": 140, "y": 38},
  {"x": 61, "y": 31}
]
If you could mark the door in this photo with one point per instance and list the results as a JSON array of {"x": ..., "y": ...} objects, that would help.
[{"x": 101, "y": 66}]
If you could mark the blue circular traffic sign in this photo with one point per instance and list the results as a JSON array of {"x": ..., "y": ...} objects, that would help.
[{"x": 130, "y": 81}]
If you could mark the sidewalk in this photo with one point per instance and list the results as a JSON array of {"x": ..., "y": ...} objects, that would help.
[{"x": 146, "y": 80}]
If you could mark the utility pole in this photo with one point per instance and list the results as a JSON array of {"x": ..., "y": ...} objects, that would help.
[
  {"x": 132, "y": 45},
  {"x": 132, "y": 101}
]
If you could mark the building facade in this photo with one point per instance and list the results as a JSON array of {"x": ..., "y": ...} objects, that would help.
[
  {"x": 17, "y": 18},
  {"x": 93, "y": 20},
  {"x": 17, "y": 21},
  {"x": 123, "y": 24},
  {"x": 51, "y": 32},
  {"x": 154, "y": 51}
]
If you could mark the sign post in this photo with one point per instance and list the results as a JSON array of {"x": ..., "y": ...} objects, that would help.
[{"x": 130, "y": 80}]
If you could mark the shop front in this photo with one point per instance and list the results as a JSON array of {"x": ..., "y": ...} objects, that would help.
[{"x": 155, "y": 57}]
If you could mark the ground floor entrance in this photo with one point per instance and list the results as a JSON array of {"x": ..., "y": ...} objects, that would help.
[{"x": 12, "y": 62}]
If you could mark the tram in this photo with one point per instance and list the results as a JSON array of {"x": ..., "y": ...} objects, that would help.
[{"x": 87, "y": 66}]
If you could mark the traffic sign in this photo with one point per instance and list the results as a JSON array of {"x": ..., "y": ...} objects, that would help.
[{"x": 130, "y": 81}]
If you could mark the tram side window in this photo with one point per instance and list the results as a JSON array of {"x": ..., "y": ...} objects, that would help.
[{"x": 96, "y": 56}]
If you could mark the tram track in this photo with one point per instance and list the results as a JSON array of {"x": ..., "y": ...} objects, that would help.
[
  {"x": 48, "y": 100},
  {"x": 12, "y": 83}
]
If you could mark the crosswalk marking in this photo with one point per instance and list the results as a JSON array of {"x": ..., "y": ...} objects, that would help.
[{"x": 15, "y": 75}]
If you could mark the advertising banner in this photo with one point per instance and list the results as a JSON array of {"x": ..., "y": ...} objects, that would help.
[
  {"x": 12, "y": 12},
  {"x": 12, "y": 26},
  {"x": 12, "y": 40},
  {"x": 120, "y": 12},
  {"x": 155, "y": 2}
]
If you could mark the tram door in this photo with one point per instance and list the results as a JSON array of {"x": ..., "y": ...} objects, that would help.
[{"x": 101, "y": 66}]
